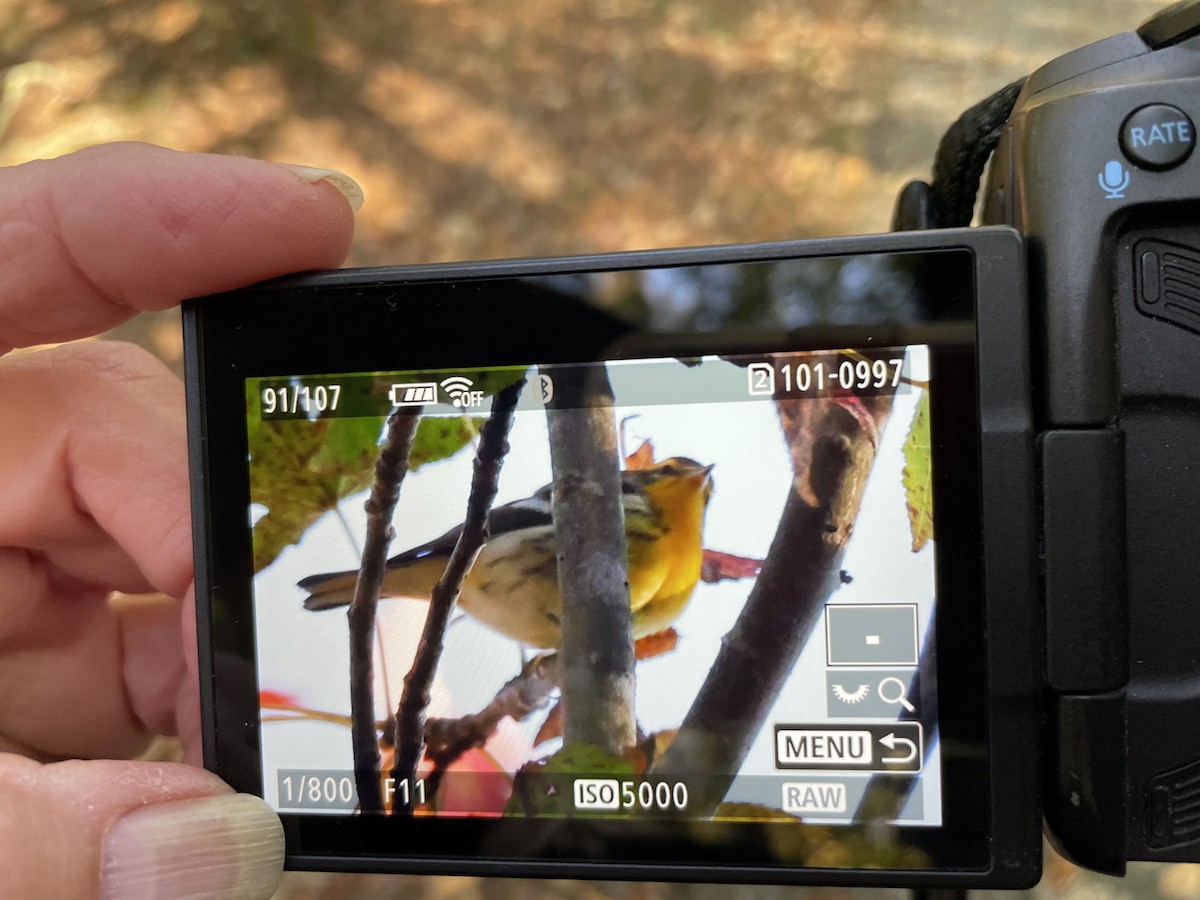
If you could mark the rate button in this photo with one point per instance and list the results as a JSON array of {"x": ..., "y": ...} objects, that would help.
[{"x": 1158, "y": 136}]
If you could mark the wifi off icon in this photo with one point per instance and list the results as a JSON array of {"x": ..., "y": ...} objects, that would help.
[{"x": 458, "y": 389}]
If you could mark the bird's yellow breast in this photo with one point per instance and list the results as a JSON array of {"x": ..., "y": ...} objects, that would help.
[{"x": 665, "y": 562}]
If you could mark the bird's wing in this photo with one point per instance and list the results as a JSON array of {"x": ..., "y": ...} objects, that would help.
[
  {"x": 535, "y": 511},
  {"x": 529, "y": 512}
]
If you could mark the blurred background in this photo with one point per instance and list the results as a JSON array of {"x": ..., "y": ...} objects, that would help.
[{"x": 482, "y": 128}]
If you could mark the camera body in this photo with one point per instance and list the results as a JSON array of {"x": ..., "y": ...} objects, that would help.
[
  {"x": 1095, "y": 169},
  {"x": 1051, "y": 620}
]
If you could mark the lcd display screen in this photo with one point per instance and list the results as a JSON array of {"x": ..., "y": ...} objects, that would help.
[{"x": 708, "y": 450}]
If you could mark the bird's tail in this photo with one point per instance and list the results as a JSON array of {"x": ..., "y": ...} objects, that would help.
[
  {"x": 403, "y": 577},
  {"x": 329, "y": 590}
]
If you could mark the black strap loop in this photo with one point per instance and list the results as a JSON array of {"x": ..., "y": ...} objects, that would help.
[{"x": 963, "y": 153}]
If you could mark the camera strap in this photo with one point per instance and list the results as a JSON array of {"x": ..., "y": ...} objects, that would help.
[{"x": 958, "y": 166}]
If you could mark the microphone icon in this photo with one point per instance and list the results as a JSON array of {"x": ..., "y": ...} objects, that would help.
[{"x": 1113, "y": 180}]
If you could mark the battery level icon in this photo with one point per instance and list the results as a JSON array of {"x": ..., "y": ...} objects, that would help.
[{"x": 416, "y": 393}]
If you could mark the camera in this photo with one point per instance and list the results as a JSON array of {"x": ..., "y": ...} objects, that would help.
[{"x": 820, "y": 562}]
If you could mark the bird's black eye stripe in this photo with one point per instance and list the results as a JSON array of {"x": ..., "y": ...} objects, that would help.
[{"x": 669, "y": 469}]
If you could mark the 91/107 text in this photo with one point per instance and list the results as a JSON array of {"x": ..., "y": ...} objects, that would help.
[{"x": 300, "y": 399}]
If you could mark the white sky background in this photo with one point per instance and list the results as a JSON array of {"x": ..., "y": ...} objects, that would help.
[{"x": 305, "y": 654}]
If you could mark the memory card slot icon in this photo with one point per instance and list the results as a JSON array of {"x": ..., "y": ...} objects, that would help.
[{"x": 414, "y": 393}]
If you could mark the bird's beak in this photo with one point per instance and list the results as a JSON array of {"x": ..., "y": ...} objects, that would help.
[{"x": 704, "y": 475}]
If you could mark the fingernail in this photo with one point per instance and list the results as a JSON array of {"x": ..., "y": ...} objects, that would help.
[
  {"x": 229, "y": 846},
  {"x": 348, "y": 187}
]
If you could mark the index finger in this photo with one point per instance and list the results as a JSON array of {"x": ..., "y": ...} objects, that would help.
[{"x": 89, "y": 239}]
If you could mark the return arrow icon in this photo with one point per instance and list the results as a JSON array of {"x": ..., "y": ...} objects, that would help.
[{"x": 890, "y": 741}]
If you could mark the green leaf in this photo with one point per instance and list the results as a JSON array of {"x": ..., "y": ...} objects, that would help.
[
  {"x": 441, "y": 437},
  {"x": 344, "y": 463},
  {"x": 918, "y": 475},
  {"x": 586, "y": 759},
  {"x": 532, "y": 795},
  {"x": 299, "y": 470}
]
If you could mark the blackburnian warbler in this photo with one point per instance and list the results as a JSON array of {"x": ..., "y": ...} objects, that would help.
[{"x": 513, "y": 586}]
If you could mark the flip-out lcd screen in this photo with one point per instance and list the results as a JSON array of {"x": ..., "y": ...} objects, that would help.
[
  {"x": 711, "y": 522},
  {"x": 709, "y": 451}
]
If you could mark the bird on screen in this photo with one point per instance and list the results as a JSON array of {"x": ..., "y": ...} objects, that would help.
[{"x": 513, "y": 586}]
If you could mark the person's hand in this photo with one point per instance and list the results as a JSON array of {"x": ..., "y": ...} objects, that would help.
[{"x": 94, "y": 498}]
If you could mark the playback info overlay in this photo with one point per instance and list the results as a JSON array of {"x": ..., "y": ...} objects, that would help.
[{"x": 833, "y": 797}]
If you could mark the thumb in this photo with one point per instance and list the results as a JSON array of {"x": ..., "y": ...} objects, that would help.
[{"x": 132, "y": 830}]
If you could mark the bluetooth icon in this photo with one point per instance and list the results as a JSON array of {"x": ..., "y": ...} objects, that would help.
[{"x": 545, "y": 389}]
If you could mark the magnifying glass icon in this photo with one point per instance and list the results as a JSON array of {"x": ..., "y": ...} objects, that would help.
[{"x": 893, "y": 690}]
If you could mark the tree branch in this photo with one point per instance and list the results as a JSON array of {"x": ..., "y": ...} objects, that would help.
[
  {"x": 410, "y": 715},
  {"x": 390, "y": 469},
  {"x": 589, "y": 528},
  {"x": 832, "y": 455}
]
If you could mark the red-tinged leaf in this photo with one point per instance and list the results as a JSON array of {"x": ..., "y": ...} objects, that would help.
[
  {"x": 642, "y": 457},
  {"x": 719, "y": 566},
  {"x": 553, "y": 726},
  {"x": 656, "y": 744},
  {"x": 474, "y": 785},
  {"x": 268, "y": 699},
  {"x": 656, "y": 644},
  {"x": 862, "y": 415},
  {"x": 639, "y": 757}
]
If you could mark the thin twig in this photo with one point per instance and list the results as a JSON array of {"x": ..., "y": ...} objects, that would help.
[
  {"x": 390, "y": 469},
  {"x": 448, "y": 739},
  {"x": 349, "y": 532},
  {"x": 414, "y": 700},
  {"x": 387, "y": 682}
]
